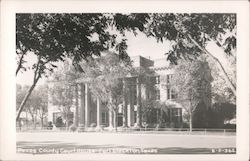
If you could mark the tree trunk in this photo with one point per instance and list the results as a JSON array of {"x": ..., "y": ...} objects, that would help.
[
  {"x": 115, "y": 119},
  {"x": 20, "y": 63},
  {"x": 26, "y": 121},
  {"x": 41, "y": 122},
  {"x": 67, "y": 121},
  {"x": 37, "y": 75},
  {"x": 227, "y": 79},
  {"x": 157, "y": 116},
  {"x": 20, "y": 109},
  {"x": 110, "y": 119},
  {"x": 190, "y": 123},
  {"x": 33, "y": 122}
]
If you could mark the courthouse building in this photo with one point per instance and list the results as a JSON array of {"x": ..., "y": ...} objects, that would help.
[{"x": 91, "y": 110}]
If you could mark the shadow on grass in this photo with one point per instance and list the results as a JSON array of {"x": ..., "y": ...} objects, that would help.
[{"x": 57, "y": 147}]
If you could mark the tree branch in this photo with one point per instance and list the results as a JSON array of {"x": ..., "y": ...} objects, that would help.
[
  {"x": 20, "y": 63},
  {"x": 230, "y": 84}
]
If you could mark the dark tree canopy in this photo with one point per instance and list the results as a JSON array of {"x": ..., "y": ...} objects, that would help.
[
  {"x": 200, "y": 27},
  {"x": 56, "y": 36},
  {"x": 190, "y": 33}
]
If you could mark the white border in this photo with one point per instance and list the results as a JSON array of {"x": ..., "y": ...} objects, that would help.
[{"x": 7, "y": 67}]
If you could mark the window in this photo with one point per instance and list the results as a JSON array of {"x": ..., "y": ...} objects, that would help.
[
  {"x": 134, "y": 89},
  {"x": 171, "y": 94},
  {"x": 135, "y": 116},
  {"x": 168, "y": 93},
  {"x": 157, "y": 79},
  {"x": 158, "y": 94},
  {"x": 104, "y": 118},
  {"x": 169, "y": 77}
]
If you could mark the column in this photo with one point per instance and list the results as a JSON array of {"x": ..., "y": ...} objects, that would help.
[
  {"x": 131, "y": 106},
  {"x": 98, "y": 106},
  {"x": 125, "y": 105},
  {"x": 82, "y": 102},
  {"x": 86, "y": 105},
  {"x": 110, "y": 119},
  {"x": 170, "y": 114},
  {"x": 76, "y": 117},
  {"x": 138, "y": 96}
]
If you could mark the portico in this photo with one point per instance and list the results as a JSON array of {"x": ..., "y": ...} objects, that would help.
[{"x": 93, "y": 110}]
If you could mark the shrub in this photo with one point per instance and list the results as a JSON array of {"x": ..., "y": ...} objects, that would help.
[
  {"x": 59, "y": 122},
  {"x": 72, "y": 128},
  {"x": 50, "y": 126},
  {"x": 93, "y": 125},
  {"x": 81, "y": 128}
]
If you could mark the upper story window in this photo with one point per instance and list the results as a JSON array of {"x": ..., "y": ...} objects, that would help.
[
  {"x": 157, "y": 79},
  {"x": 171, "y": 94},
  {"x": 169, "y": 77},
  {"x": 158, "y": 96}
]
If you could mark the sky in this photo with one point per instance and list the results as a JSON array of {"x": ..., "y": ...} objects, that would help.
[{"x": 137, "y": 45}]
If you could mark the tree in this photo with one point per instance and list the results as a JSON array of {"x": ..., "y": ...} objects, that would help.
[
  {"x": 192, "y": 83},
  {"x": 20, "y": 93},
  {"x": 221, "y": 93},
  {"x": 42, "y": 102},
  {"x": 62, "y": 89},
  {"x": 191, "y": 33},
  {"x": 222, "y": 112},
  {"x": 106, "y": 83},
  {"x": 62, "y": 96},
  {"x": 36, "y": 104},
  {"x": 148, "y": 97},
  {"x": 53, "y": 37}
]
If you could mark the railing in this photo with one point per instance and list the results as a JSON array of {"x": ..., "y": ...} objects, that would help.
[{"x": 199, "y": 131}]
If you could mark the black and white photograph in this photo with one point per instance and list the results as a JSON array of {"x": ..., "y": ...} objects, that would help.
[{"x": 126, "y": 83}]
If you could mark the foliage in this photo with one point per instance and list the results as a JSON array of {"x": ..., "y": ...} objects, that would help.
[
  {"x": 105, "y": 78},
  {"x": 62, "y": 89},
  {"x": 190, "y": 33},
  {"x": 223, "y": 112},
  {"x": 78, "y": 36},
  {"x": 215, "y": 117},
  {"x": 72, "y": 128},
  {"x": 37, "y": 103},
  {"x": 105, "y": 75},
  {"x": 53, "y": 37},
  {"x": 59, "y": 122},
  {"x": 201, "y": 27},
  {"x": 220, "y": 91},
  {"x": 192, "y": 82},
  {"x": 20, "y": 93}
]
